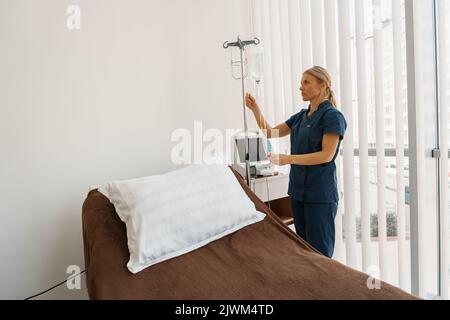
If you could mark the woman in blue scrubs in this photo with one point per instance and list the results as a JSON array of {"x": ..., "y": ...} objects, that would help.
[{"x": 316, "y": 134}]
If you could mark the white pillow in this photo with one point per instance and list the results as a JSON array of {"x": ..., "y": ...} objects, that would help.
[{"x": 174, "y": 213}]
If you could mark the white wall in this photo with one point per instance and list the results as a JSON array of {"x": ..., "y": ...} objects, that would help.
[{"x": 79, "y": 108}]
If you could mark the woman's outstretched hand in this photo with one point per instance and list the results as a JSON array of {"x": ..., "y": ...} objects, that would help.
[{"x": 251, "y": 102}]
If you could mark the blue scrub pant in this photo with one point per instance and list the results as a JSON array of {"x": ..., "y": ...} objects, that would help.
[{"x": 314, "y": 222}]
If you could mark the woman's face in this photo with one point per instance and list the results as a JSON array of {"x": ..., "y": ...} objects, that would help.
[{"x": 311, "y": 88}]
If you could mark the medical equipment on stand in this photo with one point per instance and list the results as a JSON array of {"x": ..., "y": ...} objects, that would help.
[
  {"x": 241, "y": 45},
  {"x": 259, "y": 164}
]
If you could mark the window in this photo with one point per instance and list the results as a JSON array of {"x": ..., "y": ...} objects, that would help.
[{"x": 373, "y": 60}]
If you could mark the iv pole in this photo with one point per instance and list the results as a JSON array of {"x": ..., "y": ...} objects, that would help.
[{"x": 241, "y": 45}]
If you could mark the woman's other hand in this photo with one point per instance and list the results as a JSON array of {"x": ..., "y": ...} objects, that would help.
[{"x": 279, "y": 159}]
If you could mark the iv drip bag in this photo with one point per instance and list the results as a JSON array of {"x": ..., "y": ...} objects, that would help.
[{"x": 256, "y": 68}]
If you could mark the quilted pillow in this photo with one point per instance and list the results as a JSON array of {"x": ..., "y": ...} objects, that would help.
[{"x": 172, "y": 214}]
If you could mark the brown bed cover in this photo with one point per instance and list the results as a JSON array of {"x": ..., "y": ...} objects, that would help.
[{"x": 263, "y": 261}]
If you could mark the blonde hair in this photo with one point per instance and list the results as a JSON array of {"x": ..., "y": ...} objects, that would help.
[{"x": 323, "y": 76}]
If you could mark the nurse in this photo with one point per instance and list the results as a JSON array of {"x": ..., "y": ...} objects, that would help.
[{"x": 316, "y": 134}]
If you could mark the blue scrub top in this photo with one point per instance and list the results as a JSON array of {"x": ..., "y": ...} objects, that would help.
[{"x": 315, "y": 184}]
